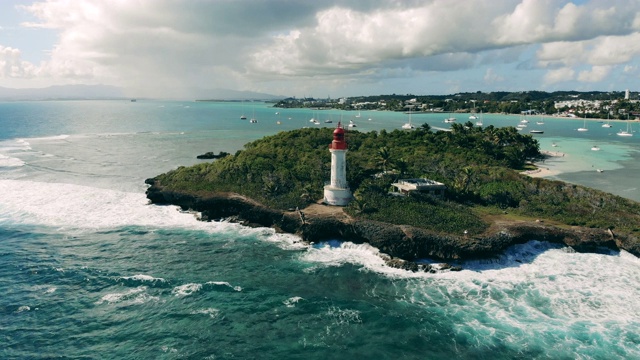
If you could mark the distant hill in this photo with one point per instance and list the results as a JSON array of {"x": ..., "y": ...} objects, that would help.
[
  {"x": 227, "y": 94},
  {"x": 63, "y": 92},
  {"x": 88, "y": 92}
]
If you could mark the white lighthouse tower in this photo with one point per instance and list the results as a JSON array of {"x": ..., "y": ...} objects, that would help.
[{"x": 337, "y": 192}]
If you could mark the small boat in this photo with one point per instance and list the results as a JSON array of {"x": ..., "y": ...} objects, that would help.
[
  {"x": 625, "y": 132},
  {"x": 480, "y": 122},
  {"x": 524, "y": 121},
  {"x": 253, "y": 121},
  {"x": 536, "y": 132},
  {"x": 554, "y": 145},
  {"x": 595, "y": 148},
  {"x": 450, "y": 120},
  {"x": 599, "y": 170},
  {"x": 244, "y": 117},
  {"x": 328, "y": 121},
  {"x": 358, "y": 114},
  {"x": 474, "y": 116},
  {"x": 409, "y": 125},
  {"x": 584, "y": 126},
  {"x": 352, "y": 124}
]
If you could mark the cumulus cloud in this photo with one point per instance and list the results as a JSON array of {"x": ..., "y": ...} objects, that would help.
[
  {"x": 12, "y": 65},
  {"x": 156, "y": 46},
  {"x": 559, "y": 75},
  {"x": 597, "y": 73},
  {"x": 491, "y": 76}
]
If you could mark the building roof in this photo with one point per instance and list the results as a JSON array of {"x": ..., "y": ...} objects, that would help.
[{"x": 418, "y": 184}]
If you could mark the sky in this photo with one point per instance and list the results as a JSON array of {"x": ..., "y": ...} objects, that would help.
[{"x": 321, "y": 48}]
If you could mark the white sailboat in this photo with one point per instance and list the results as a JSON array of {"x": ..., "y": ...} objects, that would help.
[
  {"x": 480, "y": 122},
  {"x": 474, "y": 116},
  {"x": 450, "y": 119},
  {"x": 626, "y": 132},
  {"x": 409, "y": 125},
  {"x": 584, "y": 125},
  {"x": 253, "y": 118},
  {"x": 607, "y": 125}
]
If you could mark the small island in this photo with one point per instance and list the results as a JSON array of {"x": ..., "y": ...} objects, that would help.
[{"x": 483, "y": 201}]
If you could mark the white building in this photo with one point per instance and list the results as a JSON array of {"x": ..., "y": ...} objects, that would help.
[{"x": 431, "y": 187}]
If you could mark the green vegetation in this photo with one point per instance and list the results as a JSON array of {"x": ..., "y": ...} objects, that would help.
[{"x": 479, "y": 166}]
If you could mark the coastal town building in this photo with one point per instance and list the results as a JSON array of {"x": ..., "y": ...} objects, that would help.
[
  {"x": 431, "y": 187},
  {"x": 337, "y": 192}
]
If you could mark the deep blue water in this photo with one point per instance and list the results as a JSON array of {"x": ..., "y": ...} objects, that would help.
[{"x": 88, "y": 269}]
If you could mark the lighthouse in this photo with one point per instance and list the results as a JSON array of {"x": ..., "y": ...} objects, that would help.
[{"x": 337, "y": 192}]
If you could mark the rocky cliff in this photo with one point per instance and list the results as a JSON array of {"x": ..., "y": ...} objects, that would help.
[{"x": 403, "y": 244}]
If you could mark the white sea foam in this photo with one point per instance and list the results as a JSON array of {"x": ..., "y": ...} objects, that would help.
[
  {"x": 132, "y": 296},
  {"x": 142, "y": 277},
  {"x": 71, "y": 206},
  {"x": 283, "y": 241},
  {"x": 337, "y": 254},
  {"x": 46, "y": 138},
  {"x": 292, "y": 301},
  {"x": 538, "y": 288},
  {"x": 23, "y": 308},
  {"x": 344, "y": 316},
  {"x": 10, "y": 162},
  {"x": 224, "y": 283},
  {"x": 212, "y": 312},
  {"x": 51, "y": 290},
  {"x": 186, "y": 289}
]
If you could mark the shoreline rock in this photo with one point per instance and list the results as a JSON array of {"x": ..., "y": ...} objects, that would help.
[
  {"x": 401, "y": 245},
  {"x": 211, "y": 155}
]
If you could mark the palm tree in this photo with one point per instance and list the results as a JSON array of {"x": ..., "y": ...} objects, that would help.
[
  {"x": 465, "y": 177},
  {"x": 402, "y": 166},
  {"x": 383, "y": 158}
]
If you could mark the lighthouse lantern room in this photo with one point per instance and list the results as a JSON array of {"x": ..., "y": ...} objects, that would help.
[{"x": 337, "y": 191}]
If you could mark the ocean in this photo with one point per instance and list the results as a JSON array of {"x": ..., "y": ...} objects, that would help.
[{"x": 90, "y": 270}]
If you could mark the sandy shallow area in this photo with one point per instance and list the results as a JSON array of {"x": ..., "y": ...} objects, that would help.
[{"x": 545, "y": 171}]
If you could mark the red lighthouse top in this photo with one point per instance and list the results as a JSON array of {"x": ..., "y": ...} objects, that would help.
[{"x": 338, "y": 142}]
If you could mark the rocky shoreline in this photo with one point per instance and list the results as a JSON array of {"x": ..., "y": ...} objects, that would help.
[{"x": 401, "y": 245}]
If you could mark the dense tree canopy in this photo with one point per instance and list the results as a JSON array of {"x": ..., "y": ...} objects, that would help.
[{"x": 478, "y": 165}]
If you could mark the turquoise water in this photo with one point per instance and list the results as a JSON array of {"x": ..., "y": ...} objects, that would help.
[{"x": 88, "y": 269}]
